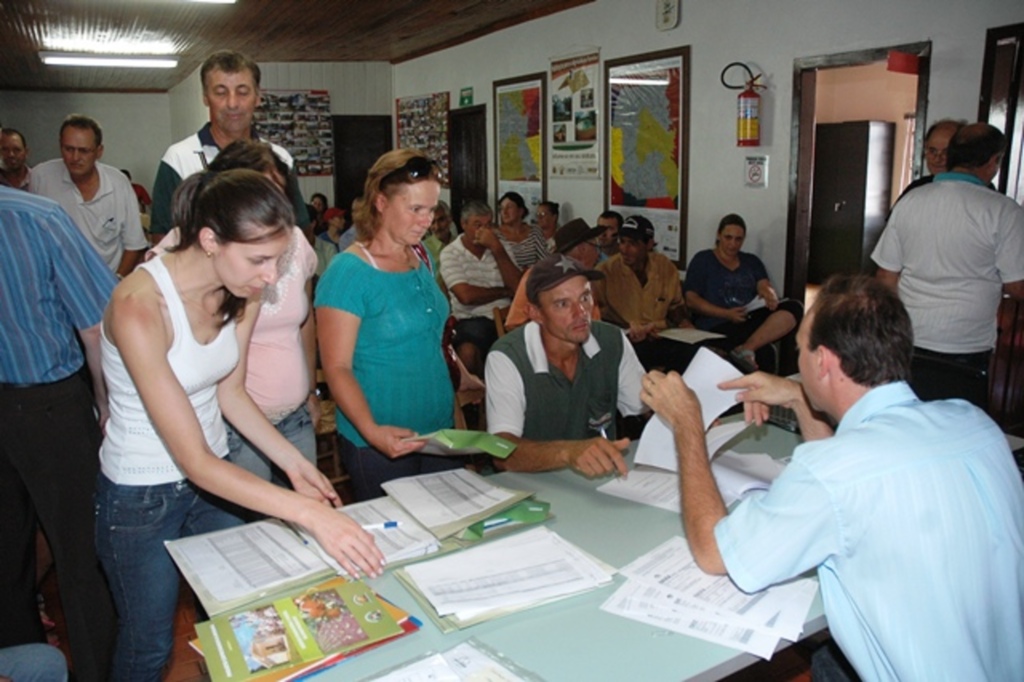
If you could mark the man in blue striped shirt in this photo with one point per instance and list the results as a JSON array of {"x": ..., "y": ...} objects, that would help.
[
  {"x": 911, "y": 512},
  {"x": 53, "y": 287}
]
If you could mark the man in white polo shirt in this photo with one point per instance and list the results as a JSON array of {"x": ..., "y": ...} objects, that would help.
[
  {"x": 951, "y": 249},
  {"x": 480, "y": 276}
]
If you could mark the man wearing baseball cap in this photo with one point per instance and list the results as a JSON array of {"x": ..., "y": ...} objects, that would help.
[
  {"x": 642, "y": 294},
  {"x": 577, "y": 240},
  {"x": 554, "y": 384}
]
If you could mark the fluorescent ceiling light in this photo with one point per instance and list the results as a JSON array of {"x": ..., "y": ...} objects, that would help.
[
  {"x": 639, "y": 81},
  {"x": 111, "y": 46},
  {"x": 215, "y": 2},
  {"x": 124, "y": 61}
]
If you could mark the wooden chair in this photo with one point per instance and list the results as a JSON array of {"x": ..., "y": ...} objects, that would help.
[
  {"x": 499, "y": 319},
  {"x": 328, "y": 450}
]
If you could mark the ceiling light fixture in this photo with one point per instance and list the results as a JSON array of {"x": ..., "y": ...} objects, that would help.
[
  {"x": 215, "y": 2},
  {"x": 123, "y": 61},
  {"x": 639, "y": 81}
]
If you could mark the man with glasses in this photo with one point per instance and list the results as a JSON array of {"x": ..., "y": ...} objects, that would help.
[
  {"x": 642, "y": 293},
  {"x": 231, "y": 91},
  {"x": 936, "y": 142},
  {"x": 98, "y": 197}
]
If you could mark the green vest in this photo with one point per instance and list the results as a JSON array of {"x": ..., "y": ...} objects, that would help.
[{"x": 560, "y": 409}]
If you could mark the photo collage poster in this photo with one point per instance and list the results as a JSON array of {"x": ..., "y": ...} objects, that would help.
[
  {"x": 299, "y": 121},
  {"x": 422, "y": 123}
]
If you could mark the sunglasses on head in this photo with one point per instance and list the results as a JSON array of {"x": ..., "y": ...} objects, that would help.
[{"x": 416, "y": 168}]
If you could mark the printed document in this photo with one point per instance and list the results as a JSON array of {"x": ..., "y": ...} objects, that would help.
[{"x": 448, "y": 501}]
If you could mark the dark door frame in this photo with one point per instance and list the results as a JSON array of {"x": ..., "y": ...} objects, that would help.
[
  {"x": 801, "y": 153},
  {"x": 467, "y": 163}
]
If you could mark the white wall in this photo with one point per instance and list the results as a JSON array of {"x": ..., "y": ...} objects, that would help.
[
  {"x": 136, "y": 127},
  {"x": 768, "y": 35}
]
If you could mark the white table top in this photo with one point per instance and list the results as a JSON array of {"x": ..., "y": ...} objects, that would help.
[{"x": 573, "y": 639}]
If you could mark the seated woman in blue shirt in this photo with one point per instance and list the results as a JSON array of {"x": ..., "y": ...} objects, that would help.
[{"x": 721, "y": 287}]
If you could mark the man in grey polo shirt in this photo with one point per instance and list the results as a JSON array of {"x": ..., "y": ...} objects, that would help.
[
  {"x": 553, "y": 385},
  {"x": 98, "y": 197}
]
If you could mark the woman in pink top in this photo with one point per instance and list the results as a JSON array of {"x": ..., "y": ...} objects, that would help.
[{"x": 281, "y": 377}]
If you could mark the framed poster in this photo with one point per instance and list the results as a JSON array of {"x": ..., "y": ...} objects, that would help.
[
  {"x": 573, "y": 123},
  {"x": 422, "y": 123},
  {"x": 520, "y": 146},
  {"x": 299, "y": 121},
  {"x": 647, "y": 148}
]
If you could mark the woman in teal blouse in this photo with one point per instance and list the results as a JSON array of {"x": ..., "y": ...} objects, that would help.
[{"x": 380, "y": 317}]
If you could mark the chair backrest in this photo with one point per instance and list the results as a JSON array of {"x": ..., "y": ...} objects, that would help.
[{"x": 499, "y": 319}]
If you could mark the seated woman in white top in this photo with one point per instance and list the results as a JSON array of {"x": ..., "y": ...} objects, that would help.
[{"x": 175, "y": 338}]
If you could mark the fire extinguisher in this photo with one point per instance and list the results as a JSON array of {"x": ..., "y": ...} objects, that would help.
[{"x": 748, "y": 108}]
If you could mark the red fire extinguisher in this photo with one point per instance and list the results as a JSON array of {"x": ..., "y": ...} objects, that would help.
[{"x": 748, "y": 108}]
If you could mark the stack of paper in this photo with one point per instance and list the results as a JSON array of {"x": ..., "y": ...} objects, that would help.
[
  {"x": 735, "y": 474},
  {"x": 396, "y": 533},
  {"x": 236, "y": 566},
  {"x": 469, "y": 661},
  {"x": 450, "y": 501},
  {"x": 666, "y": 588},
  {"x": 501, "y": 577}
]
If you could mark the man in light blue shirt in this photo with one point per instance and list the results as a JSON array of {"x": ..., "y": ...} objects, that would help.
[{"x": 911, "y": 512}]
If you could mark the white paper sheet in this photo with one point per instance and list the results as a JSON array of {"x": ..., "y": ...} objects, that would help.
[
  {"x": 522, "y": 569},
  {"x": 655, "y": 488},
  {"x": 688, "y": 334},
  {"x": 446, "y": 497},
  {"x": 737, "y": 475},
  {"x": 671, "y": 566},
  {"x": 247, "y": 560},
  {"x": 703, "y": 375},
  {"x": 409, "y": 539},
  {"x": 657, "y": 446},
  {"x": 663, "y": 608}
]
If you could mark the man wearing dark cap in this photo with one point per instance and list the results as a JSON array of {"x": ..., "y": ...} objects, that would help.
[
  {"x": 642, "y": 293},
  {"x": 578, "y": 241},
  {"x": 554, "y": 384}
]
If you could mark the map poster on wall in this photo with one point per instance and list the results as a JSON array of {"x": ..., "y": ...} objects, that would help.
[
  {"x": 422, "y": 123},
  {"x": 299, "y": 121},
  {"x": 520, "y": 148},
  {"x": 648, "y": 114},
  {"x": 574, "y": 127}
]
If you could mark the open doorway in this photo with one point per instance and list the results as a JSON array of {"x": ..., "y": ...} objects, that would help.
[{"x": 849, "y": 87}]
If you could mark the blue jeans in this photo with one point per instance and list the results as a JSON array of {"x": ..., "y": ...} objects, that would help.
[
  {"x": 33, "y": 663},
  {"x": 132, "y": 523},
  {"x": 368, "y": 468},
  {"x": 297, "y": 427}
]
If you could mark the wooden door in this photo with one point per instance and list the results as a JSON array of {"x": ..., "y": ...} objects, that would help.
[
  {"x": 467, "y": 155},
  {"x": 358, "y": 141},
  {"x": 1002, "y": 105}
]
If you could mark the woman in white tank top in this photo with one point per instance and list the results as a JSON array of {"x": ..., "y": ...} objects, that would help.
[{"x": 175, "y": 336}]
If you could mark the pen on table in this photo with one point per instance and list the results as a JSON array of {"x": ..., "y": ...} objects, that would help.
[{"x": 383, "y": 525}]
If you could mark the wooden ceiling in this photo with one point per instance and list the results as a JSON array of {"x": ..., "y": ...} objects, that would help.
[{"x": 267, "y": 30}]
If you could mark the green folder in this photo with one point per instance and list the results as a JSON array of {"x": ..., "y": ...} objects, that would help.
[
  {"x": 525, "y": 513},
  {"x": 462, "y": 442}
]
